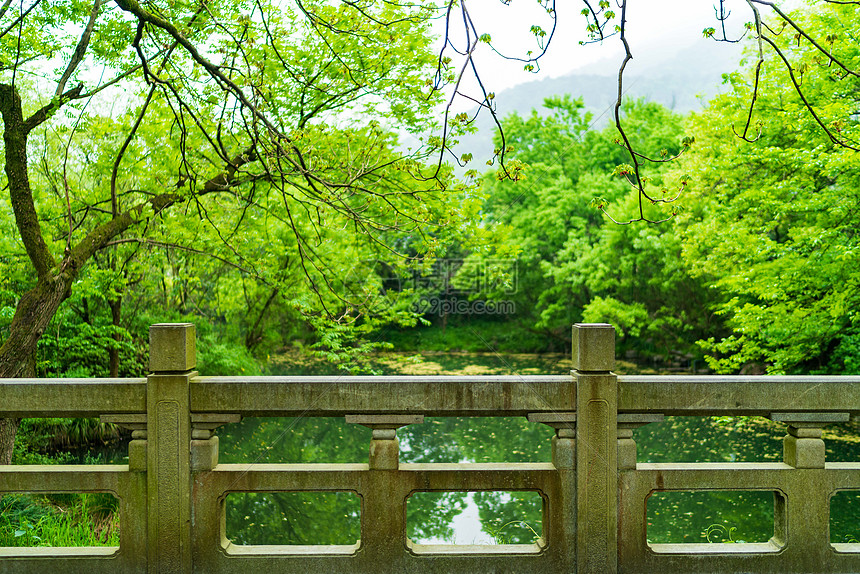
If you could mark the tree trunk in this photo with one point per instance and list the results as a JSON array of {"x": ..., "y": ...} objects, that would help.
[
  {"x": 35, "y": 310},
  {"x": 116, "y": 319},
  {"x": 8, "y": 430},
  {"x": 255, "y": 333},
  {"x": 37, "y": 306}
]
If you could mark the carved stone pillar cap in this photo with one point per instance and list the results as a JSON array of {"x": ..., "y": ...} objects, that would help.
[
  {"x": 384, "y": 421},
  {"x": 172, "y": 347},
  {"x": 809, "y": 420},
  {"x": 593, "y": 347}
]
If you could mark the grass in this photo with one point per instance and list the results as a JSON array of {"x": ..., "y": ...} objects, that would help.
[
  {"x": 87, "y": 519},
  {"x": 59, "y": 519}
]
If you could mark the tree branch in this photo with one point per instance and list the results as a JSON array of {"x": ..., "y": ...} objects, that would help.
[
  {"x": 228, "y": 85},
  {"x": 80, "y": 50},
  {"x": 20, "y": 18},
  {"x": 803, "y": 33},
  {"x": 45, "y": 112},
  {"x": 99, "y": 237},
  {"x": 20, "y": 193},
  {"x": 5, "y": 8},
  {"x": 806, "y": 103},
  {"x": 144, "y": 241}
]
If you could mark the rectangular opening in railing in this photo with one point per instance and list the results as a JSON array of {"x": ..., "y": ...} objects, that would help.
[
  {"x": 269, "y": 440},
  {"x": 475, "y": 439},
  {"x": 510, "y": 521},
  {"x": 59, "y": 520},
  {"x": 845, "y": 521},
  {"x": 710, "y": 439},
  {"x": 293, "y": 518},
  {"x": 718, "y": 517}
]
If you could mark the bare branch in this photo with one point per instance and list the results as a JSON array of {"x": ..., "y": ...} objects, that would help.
[
  {"x": 627, "y": 57},
  {"x": 125, "y": 144},
  {"x": 636, "y": 220},
  {"x": 634, "y": 155},
  {"x": 758, "y": 28}
]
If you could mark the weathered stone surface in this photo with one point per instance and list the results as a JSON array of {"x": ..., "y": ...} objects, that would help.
[
  {"x": 591, "y": 341},
  {"x": 172, "y": 347}
]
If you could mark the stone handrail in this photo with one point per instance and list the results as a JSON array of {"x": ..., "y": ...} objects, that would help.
[{"x": 594, "y": 492}]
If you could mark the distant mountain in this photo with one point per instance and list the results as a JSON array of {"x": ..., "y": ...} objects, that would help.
[{"x": 682, "y": 80}]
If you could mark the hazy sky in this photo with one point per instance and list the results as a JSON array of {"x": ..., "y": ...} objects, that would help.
[{"x": 655, "y": 29}]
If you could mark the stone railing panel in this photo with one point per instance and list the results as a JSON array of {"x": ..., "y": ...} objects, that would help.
[{"x": 595, "y": 494}]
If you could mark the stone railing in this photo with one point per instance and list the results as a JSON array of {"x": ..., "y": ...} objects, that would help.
[{"x": 171, "y": 494}]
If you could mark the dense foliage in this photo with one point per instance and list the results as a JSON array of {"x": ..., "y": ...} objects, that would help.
[
  {"x": 262, "y": 254},
  {"x": 773, "y": 223},
  {"x": 758, "y": 271},
  {"x": 573, "y": 264},
  {"x": 237, "y": 164}
]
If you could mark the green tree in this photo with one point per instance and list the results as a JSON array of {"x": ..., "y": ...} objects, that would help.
[
  {"x": 251, "y": 131},
  {"x": 572, "y": 263},
  {"x": 773, "y": 220}
]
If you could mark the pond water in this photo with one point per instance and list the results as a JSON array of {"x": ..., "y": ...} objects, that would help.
[{"x": 498, "y": 517}]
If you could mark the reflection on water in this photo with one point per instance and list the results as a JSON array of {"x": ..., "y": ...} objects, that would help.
[
  {"x": 270, "y": 518},
  {"x": 673, "y": 518}
]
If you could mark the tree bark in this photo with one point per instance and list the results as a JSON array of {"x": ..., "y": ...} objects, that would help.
[
  {"x": 35, "y": 310},
  {"x": 116, "y": 320},
  {"x": 15, "y": 132},
  {"x": 8, "y": 430},
  {"x": 37, "y": 306}
]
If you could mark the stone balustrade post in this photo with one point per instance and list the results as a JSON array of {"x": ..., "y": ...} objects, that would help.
[
  {"x": 204, "y": 441},
  {"x": 136, "y": 423},
  {"x": 133, "y": 532},
  {"x": 596, "y": 452},
  {"x": 383, "y": 520},
  {"x": 562, "y": 514},
  {"x": 384, "y": 448},
  {"x": 802, "y": 515},
  {"x": 564, "y": 441},
  {"x": 803, "y": 447},
  {"x": 626, "y": 445},
  {"x": 172, "y": 358}
]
